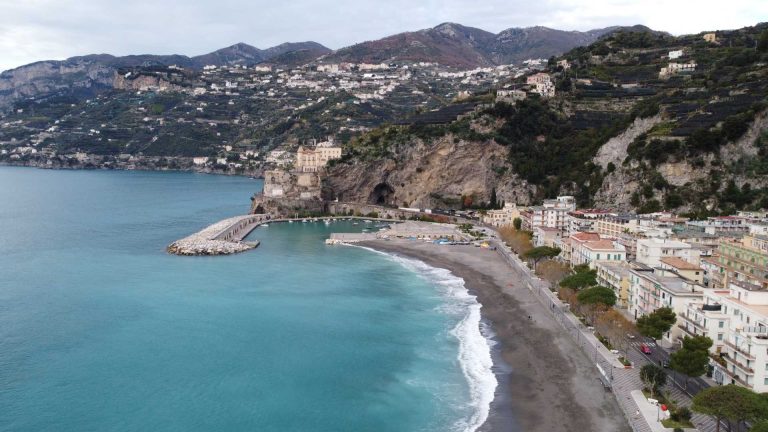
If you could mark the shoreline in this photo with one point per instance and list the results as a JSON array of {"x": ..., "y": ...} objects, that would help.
[
  {"x": 545, "y": 383},
  {"x": 256, "y": 174}
]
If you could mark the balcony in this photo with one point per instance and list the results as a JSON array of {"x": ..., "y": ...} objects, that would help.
[
  {"x": 736, "y": 378},
  {"x": 739, "y": 350},
  {"x": 697, "y": 324},
  {"x": 687, "y": 330},
  {"x": 748, "y": 370}
]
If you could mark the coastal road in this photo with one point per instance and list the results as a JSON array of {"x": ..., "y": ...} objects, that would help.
[
  {"x": 659, "y": 356},
  {"x": 676, "y": 388}
]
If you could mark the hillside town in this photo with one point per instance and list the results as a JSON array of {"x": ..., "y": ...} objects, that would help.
[{"x": 226, "y": 115}]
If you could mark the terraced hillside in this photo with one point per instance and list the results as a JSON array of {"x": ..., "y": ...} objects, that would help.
[{"x": 621, "y": 131}]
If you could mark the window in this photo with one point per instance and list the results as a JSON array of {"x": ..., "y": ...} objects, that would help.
[
  {"x": 721, "y": 324},
  {"x": 720, "y": 338}
]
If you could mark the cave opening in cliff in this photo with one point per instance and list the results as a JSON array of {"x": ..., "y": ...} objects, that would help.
[{"x": 381, "y": 194}]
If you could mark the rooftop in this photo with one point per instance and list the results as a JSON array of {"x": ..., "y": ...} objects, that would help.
[
  {"x": 603, "y": 245},
  {"x": 586, "y": 236},
  {"x": 679, "y": 263}
]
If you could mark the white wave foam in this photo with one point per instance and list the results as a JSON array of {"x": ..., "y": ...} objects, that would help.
[{"x": 474, "y": 347}]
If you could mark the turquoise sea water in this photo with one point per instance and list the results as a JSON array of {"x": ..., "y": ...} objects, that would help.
[{"x": 101, "y": 330}]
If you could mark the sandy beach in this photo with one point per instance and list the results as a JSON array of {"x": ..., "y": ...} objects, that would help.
[{"x": 546, "y": 382}]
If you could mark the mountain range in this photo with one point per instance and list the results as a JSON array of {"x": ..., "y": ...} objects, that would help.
[
  {"x": 449, "y": 44},
  {"x": 464, "y": 47}
]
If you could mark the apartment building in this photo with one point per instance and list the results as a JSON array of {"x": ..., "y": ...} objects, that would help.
[
  {"x": 744, "y": 260},
  {"x": 721, "y": 225},
  {"x": 588, "y": 248},
  {"x": 615, "y": 275},
  {"x": 654, "y": 288},
  {"x": 651, "y": 250},
  {"x": 683, "y": 268},
  {"x": 551, "y": 214},
  {"x": 744, "y": 341},
  {"x": 705, "y": 317}
]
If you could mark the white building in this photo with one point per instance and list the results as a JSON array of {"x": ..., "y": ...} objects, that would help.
[
  {"x": 589, "y": 248},
  {"x": 650, "y": 251},
  {"x": 501, "y": 217},
  {"x": 736, "y": 319},
  {"x": 675, "y": 54},
  {"x": 651, "y": 289}
]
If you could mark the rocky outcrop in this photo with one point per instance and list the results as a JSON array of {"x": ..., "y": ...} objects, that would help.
[
  {"x": 619, "y": 185},
  {"x": 436, "y": 174},
  {"x": 49, "y": 77},
  {"x": 615, "y": 149},
  {"x": 144, "y": 82}
]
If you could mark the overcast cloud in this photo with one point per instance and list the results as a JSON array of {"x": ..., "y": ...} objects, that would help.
[{"x": 32, "y": 30}]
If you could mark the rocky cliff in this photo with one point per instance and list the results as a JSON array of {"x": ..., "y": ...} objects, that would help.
[
  {"x": 443, "y": 173},
  {"x": 48, "y": 77}
]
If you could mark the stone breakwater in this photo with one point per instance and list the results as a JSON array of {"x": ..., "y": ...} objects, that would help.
[{"x": 222, "y": 238}]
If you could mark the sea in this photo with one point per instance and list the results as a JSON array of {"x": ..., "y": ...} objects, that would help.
[{"x": 102, "y": 330}]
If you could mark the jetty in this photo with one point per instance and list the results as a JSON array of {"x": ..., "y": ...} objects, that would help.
[{"x": 222, "y": 238}]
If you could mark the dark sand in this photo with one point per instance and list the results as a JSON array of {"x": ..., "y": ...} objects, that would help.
[{"x": 547, "y": 383}]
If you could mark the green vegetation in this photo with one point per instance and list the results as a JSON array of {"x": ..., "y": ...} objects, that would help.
[
  {"x": 653, "y": 377},
  {"x": 732, "y": 403},
  {"x": 658, "y": 322},
  {"x": 582, "y": 278},
  {"x": 538, "y": 253},
  {"x": 546, "y": 149},
  {"x": 693, "y": 358},
  {"x": 598, "y": 295}
]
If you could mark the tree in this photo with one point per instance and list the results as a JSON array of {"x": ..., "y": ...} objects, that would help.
[
  {"x": 614, "y": 326},
  {"x": 653, "y": 377},
  {"x": 493, "y": 204},
  {"x": 693, "y": 358},
  {"x": 596, "y": 301},
  {"x": 729, "y": 402},
  {"x": 519, "y": 241},
  {"x": 597, "y": 295},
  {"x": 538, "y": 253},
  {"x": 658, "y": 322},
  {"x": 517, "y": 223},
  {"x": 581, "y": 279},
  {"x": 762, "y": 43},
  {"x": 552, "y": 271}
]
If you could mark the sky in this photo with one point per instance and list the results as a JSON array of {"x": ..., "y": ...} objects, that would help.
[{"x": 32, "y": 30}]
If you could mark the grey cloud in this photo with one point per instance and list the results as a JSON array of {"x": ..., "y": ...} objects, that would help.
[{"x": 33, "y": 30}]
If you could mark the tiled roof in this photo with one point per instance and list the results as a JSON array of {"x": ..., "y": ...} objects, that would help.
[{"x": 679, "y": 263}]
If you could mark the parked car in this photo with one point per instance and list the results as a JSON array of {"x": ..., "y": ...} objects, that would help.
[
  {"x": 665, "y": 364},
  {"x": 645, "y": 349}
]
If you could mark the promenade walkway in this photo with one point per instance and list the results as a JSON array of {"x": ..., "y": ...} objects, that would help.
[
  {"x": 613, "y": 374},
  {"x": 623, "y": 381}
]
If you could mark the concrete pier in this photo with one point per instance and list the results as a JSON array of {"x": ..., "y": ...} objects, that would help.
[{"x": 222, "y": 238}]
